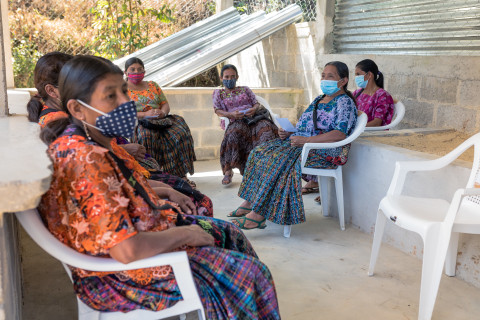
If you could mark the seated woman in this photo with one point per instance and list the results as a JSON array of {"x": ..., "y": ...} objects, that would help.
[
  {"x": 45, "y": 107},
  {"x": 237, "y": 104},
  {"x": 166, "y": 137},
  {"x": 271, "y": 184},
  {"x": 98, "y": 205},
  {"x": 371, "y": 98}
]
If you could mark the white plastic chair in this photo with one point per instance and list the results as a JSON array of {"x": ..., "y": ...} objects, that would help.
[
  {"x": 433, "y": 219},
  {"x": 323, "y": 174},
  {"x": 264, "y": 103},
  {"x": 398, "y": 114},
  {"x": 33, "y": 225}
]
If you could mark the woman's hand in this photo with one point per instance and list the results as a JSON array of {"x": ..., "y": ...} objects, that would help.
[
  {"x": 236, "y": 115},
  {"x": 149, "y": 113},
  {"x": 284, "y": 134},
  {"x": 197, "y": 237},
  {"x": 298, "y": 141},
  {"x": 136, "y": 150},
  {"x": 251, "y": 112},
  {"x": 184, "y": 202}
]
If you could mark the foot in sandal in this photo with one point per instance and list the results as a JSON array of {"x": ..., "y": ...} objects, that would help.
[{"x": 251, "y": 221}]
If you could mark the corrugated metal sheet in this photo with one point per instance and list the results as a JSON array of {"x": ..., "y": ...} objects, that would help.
[
  {"x": 425, "y": 27},
  {"x": 195, "y": 49}
]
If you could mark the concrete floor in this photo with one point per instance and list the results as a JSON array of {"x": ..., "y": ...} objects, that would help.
[{"x": 320, "y": 272}]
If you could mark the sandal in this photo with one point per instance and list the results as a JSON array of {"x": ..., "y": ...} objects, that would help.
[
  {"x": 306, "y": 190},
  {"x": 241, "y": 223},
  {"x": 227, "y": 179},
  {"x": 234, "y": 214},
  {"x": 318, "y": 200}
]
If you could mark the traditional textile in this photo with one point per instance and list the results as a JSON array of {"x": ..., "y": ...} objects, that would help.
[
  {"x": 148, "y": 166},
  {"x": 49, "y": 114},
  {"x": 240, "y": 138},
  {"x": 380, "y": 105},
  {"x": 272, "y": 179},
  {"x": 91, "y": 208},
  {"x": 171, "y": 147}
]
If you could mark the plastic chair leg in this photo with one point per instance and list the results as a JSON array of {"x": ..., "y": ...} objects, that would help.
[
  {"x": 323, "y": 185},
  {"x": 434, "y": 252},
  {"x": 286, "y": 231},
  {"x": 339, "y": 194},
  {"x": 183, "y": 316},
  {"x": 451, "y": 259},
  {"x": 377, "y": 240}
]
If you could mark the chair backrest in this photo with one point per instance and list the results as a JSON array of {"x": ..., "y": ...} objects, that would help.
[
  {"x": 264, "y": 103},
  {"x": 34, "y": 226},
  {"x": 398, "y": 114}
]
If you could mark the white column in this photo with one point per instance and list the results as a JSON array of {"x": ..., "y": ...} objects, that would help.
[
  {"x": 324, "y": 26},
  {"x": 4, "y": 42},
  {"x": 223, "y": 4}
]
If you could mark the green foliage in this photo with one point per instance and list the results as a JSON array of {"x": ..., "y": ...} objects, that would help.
[
  {"x": 125, "y": 26},
  {"x": 24, "y": 55}
]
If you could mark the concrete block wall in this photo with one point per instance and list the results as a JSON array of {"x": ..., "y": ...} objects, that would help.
[
  {"x": 195, "y": 105},
  {"x": 287, "y": 58}
]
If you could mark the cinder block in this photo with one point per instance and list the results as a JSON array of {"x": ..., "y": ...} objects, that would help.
[
  {"x": 278, "y": 78},
  {"x": 212, "y": 137},
  {"x": 459, "y": 118},
  {"x": 402, "y": 87},
  {"x": 206, "y": 153},
  {"x": 438, "y": 89},
  {"x": 468, "y": 93},
  {"x": 280, "y": 34},
  {"x": 285, "y": 62},
  {"x": 279, "y": 46},
  {"x": 199, "y": 118},
  {"x": 196, "y": 137},
  {"x": 419, "y": 114},
  {"x": 295, "y": 80},
  {"x": 281, "y": 100}
]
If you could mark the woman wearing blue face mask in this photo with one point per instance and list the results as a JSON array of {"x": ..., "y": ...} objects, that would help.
[
  {"x": 370, "y": 96},
  {"x": 99, "y": 205},
  {"x": 238, "y": 103},
  {"x": 271, "y": 184}
]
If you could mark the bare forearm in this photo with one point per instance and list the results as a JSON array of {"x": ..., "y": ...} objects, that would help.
[
  {"x": 157, "y": 184},
  {"x": 165, "y": 108},
  {"x": 374, "y": 123},
  {"x": 331, "y": 136},
  {"x": 148, "y": 244},
  {"x": 222, "y": 113}
]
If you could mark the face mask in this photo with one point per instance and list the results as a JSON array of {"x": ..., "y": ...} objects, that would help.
[
  {"x": 136, "y": 78},
  {"x": 230, "y": 84},
  {"x": 119, "y": 122},
  {"x": 329, "y": 87},
  {"x": 361, "y": 82}
]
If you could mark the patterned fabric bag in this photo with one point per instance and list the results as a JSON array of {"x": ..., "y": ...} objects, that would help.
[
  {"x": 260, "y": 114},
  {"x": 156, "y": 124}
]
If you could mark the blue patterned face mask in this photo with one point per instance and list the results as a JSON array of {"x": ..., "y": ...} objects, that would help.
[
  {"x": 230, "y": 84},
  {"x": 329, "y": 87},
  {"x": 120, "y": 122},
  {"x": 361, "y": 82}
]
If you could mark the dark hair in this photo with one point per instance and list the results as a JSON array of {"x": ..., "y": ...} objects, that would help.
[
  {"x": 133, "y": 60},
  {"x": 46, "y": 72},
  {"x": 342, "y": 70},
  {"x": 78, "y": 80},
  {"x": 368, "y": 65},
  {"x": 226, "y": 67}
]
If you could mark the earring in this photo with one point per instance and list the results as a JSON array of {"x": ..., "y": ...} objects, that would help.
[{"x": 86, "y": 131}]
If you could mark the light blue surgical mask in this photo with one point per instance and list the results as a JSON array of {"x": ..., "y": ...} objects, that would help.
[
  {"x": 329, "y": 87},
  {"x": 361, "y": 82}
]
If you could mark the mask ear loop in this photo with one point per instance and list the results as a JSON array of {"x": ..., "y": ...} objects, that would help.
[{"x": 92, "y": 108}]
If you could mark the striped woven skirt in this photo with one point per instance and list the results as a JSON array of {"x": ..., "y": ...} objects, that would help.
[
  {"x": 232, "y": 283},
  {"x": 272, "y": 179},
  {"x": 241, "y": 138},
  {"x": 171, "y": 147}
]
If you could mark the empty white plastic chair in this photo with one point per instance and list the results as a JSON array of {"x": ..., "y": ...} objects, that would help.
[
  {"x": 433, "y": 219},
  {"x": 33, "y": 225},
  {"x": 323, "y": 174},
  {"x": 398, "y": 114},
  {"x": 264, "y": 103}
]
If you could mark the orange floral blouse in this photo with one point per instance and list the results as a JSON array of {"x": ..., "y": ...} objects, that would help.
[
  {"x": 152, "y": 97},
  {"x": 91, "y": 207},
  {"x": 51, "y": 116}
]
